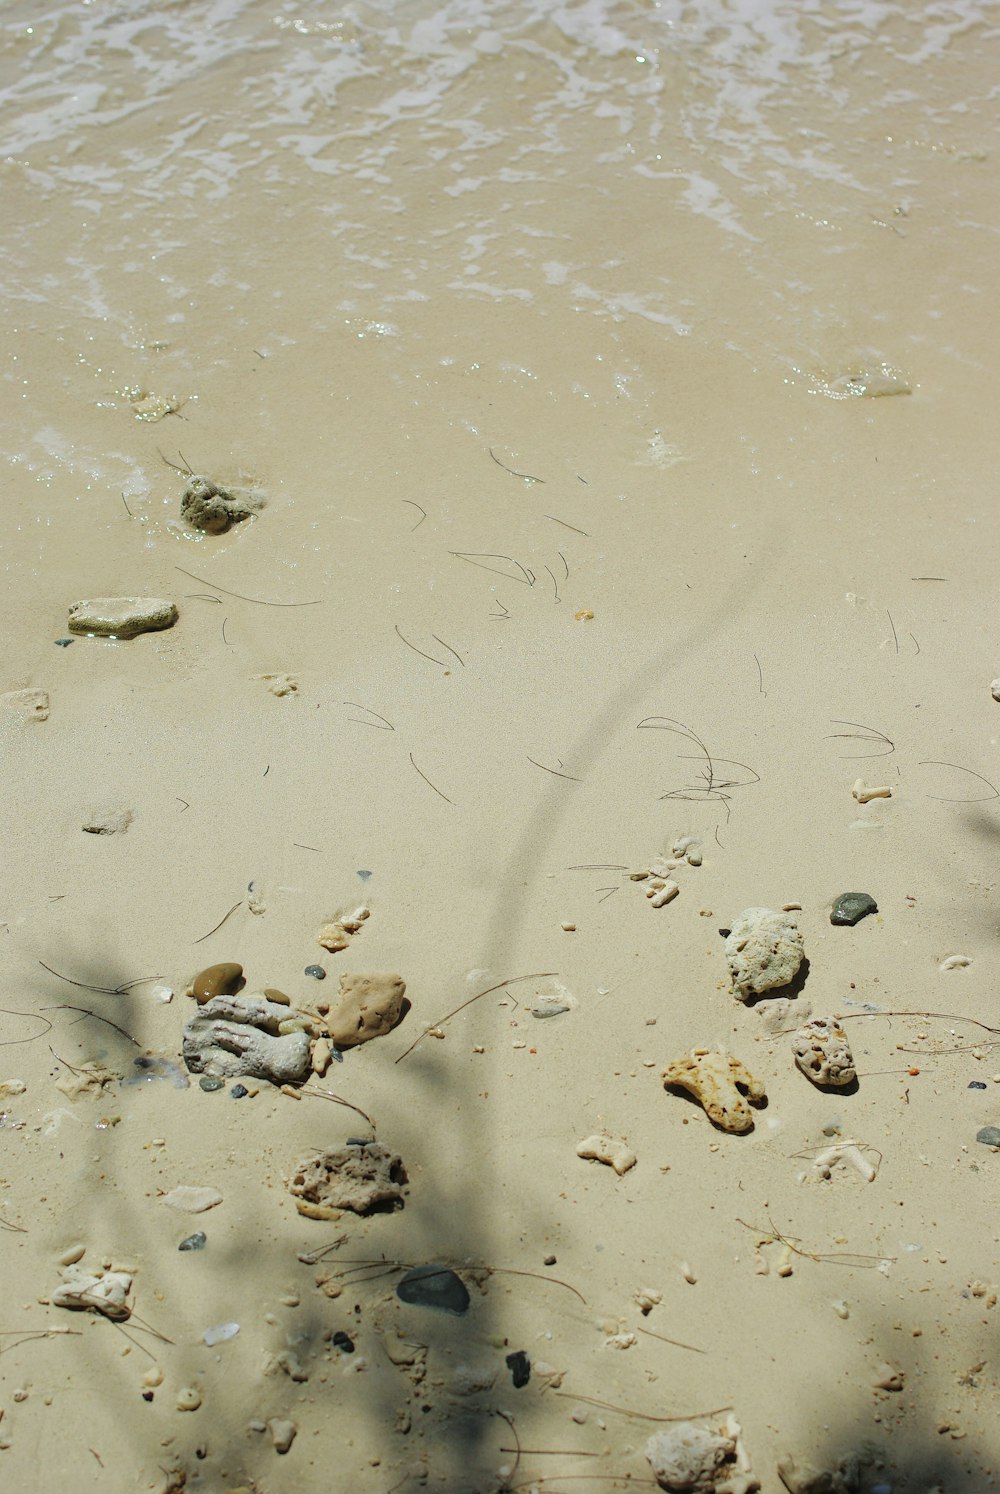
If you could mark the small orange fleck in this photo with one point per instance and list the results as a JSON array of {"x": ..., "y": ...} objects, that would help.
[
  {"x": 532, "y": 1050},
  {"x": 584, "y": 615},
  {"x": 913, "y": 1072}
]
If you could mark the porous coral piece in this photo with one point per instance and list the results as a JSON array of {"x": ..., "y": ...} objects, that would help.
[
  {"x": 823, "y": 1053},
  {"x": 716, "y": 1080},
  {"x": 603, "y": 1149},
  {"x": 358, "y": 1178},
  {"x": 692, "y": 1459},
  {"x": 211, "y": 508},
  {"x": 369, "y": 1007},
  {"x": 103, "y": 1291},
  {"x": 764, "y": 951},
  {"x": 247, "y": 1036}
]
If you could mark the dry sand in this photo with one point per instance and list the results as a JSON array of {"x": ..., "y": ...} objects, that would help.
[{"x": 385, "y": 260}]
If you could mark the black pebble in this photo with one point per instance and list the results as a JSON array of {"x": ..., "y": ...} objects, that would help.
[
  {"x": 238, "y": 1091},
  {"x": 316, "y": 971},
  {"x": 208, "y": 1083},
  {"x": 851, "y": 907},
  {"x": 63, "y": 642},
  {"x": 725, "y": 933},
  {"x": 434, "y": 1286},
  {"x": 976, "y": 1084},
  {"x": 520, "y": 1368},
  {"x": 196, "y": 1241},
  {"x": 340, "y": 1340}
]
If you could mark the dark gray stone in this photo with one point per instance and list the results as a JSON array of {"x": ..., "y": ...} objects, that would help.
[
  {"x": 851, "y": 907},
  {"x": 436, "y": 1287},
  {"x": 989, "y": 1135}
]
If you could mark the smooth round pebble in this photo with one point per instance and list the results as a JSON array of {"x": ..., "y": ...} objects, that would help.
[
  {"x": 197, "y": 1241},
  {"x": 341, "y": 1341},
  {"x": 208, "y": 1082},
  {"x": 316, "y": 971},
  {"x": 216, "y": 980},
  {"x": 989, "y": 1135},
  {"x": 436, "y": 1287},
  {"x": 851, "y": 907}
]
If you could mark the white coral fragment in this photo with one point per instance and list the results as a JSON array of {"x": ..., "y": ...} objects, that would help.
[
  {"x": 823, "y": 1053},
  {"x": 691, "y": 1459},
  {"x": 717, "y": 1081},
  {"x": 103, "y": 1291},
  {"x": 764, "y": 951},
  {"x": 844, "y": 1151},
  {"x": 612, "y": 1153}
]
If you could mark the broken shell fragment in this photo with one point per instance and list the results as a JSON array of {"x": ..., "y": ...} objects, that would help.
[
  {"x": 121, "y": 617},
  {"x": 823, "y": 1053},
  {"x": 603, "y": 1149},
  {"x": 717, "y": 1080},
  {"x": 764, "y": 951}
]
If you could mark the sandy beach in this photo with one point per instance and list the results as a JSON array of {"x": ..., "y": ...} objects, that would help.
[{"x": 600, "y": 393}]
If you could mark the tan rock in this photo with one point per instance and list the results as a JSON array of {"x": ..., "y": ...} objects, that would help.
[
  {"x": 717, "y": 1081},
  {"x": 359, "y": 1178},
  {"x": 369, "y": 1007}
]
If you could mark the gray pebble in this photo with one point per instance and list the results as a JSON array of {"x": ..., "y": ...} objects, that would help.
[
  {"x": 851, "y": 907},
  {"x": 989, "y": 1135},
  {"x": 434, "y": 1286},
  {"x": 209, "y": 1083},
  {"x": 316, "y": 971},
  {"x": 197, "y": 1241},
  {"x": 239, "y": 1091}
]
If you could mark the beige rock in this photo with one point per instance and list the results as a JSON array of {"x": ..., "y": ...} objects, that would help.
[
  {"x": 764, "y": 951},
  {"x": 823, "y": 1053},
  {"x": 283, "y": 1433},
  {"x": 603, "y": 1149},
  {"x": 121, "y": 617},
  {"x": 358, "y": 1178},
  {"x": 716, "y": 1080},
  {"x": 700, "y": 1459},
  {"x": 369, "y": 1007}
]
